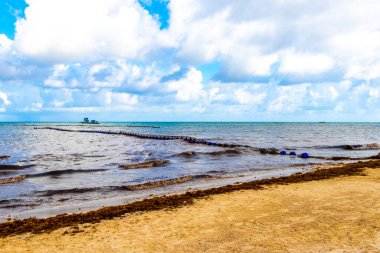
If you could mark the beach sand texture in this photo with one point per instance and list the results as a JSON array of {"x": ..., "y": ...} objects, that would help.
[{"x": 335, "y": 215}]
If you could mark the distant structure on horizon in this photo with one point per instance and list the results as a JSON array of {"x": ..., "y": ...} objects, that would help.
[{"x": 87, "y": 121}]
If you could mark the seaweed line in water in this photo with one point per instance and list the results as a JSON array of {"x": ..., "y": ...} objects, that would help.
[{"x": 13, "y": 179}]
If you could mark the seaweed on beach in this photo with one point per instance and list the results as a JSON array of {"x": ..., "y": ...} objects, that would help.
[{"x": 36, "y": 225}]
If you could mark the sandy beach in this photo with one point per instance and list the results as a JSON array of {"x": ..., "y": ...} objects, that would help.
[{"x": 341, "y": 214}]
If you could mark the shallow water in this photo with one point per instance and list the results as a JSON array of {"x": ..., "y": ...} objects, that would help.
[{"x": 80, "y": 171}]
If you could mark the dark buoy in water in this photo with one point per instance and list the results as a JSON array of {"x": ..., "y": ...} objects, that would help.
[
  {"x": 283, "y": 152},
  {"x": 292, "y": 153},
  {"x": 304, "y": 155}
]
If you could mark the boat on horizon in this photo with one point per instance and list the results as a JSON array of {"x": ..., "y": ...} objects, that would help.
[{"x": 87, "y": 121}]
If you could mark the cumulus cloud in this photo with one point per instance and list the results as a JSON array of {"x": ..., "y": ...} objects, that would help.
[
  {"x": 251, "y": 38},
  {"x": 188, "y": 88},
  {"x": 5, "y": 43},
  {"x": 305, "y": 64},
  {"x": 72, "y": 30},
  {"x": 4, "y": 101},
  {"x": 113, "y": 98},
  {"x": 56, "y": 79},
  {"x": 244, "y": 96}
]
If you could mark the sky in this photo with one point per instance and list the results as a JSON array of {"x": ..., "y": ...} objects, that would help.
[{"x": 190, "y": 60}]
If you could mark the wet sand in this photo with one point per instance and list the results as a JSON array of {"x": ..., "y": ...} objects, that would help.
[{"x": 339, "y": 213}]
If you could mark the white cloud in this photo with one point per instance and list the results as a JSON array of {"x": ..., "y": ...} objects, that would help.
[
  {"x": 94, "y": 76},
  {"x": 119, "y": 73},
  {"x": 56, "y": 78},
  {"x": 188, "y": 88},
  {"x": 71, "y": 30},
  {"x": 288, "y": 99},
  {"x": 58, "y": 97},
  {"x": 304, "y": 64},
  {"x": 33, "y": 107},
  {"x": 244, "y": 96},
  {"x": 303, "y": 37},
  {"x": 113, "y": 98},
  {"x": 5, "y": 43},
  {"x": 4, "y": 99}
]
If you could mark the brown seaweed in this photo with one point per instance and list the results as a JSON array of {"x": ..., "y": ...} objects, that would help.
[
  {"x": 161, "y": 183},
  {"x": 13, "y": 179},
  {"x": 36, "y": 225}
]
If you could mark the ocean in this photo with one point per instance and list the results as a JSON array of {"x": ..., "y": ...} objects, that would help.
[{"x": 67, "y": 172}]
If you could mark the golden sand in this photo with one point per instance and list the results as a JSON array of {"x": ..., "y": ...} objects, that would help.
[{"x": 339, "y": 215}]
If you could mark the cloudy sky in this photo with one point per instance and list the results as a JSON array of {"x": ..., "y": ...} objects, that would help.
[{"x": 190, "y": 60}]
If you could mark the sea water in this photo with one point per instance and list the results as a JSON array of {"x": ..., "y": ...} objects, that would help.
[{"x": 76, "y": 171}]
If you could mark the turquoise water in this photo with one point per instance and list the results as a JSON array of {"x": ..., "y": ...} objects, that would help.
[{"x": 88, "y": 169}]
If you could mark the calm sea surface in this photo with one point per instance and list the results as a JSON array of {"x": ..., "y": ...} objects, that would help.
[{"x": 80, "y": 171}]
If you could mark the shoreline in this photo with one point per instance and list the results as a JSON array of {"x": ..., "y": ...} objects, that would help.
[{"x": 42, "y": 225}]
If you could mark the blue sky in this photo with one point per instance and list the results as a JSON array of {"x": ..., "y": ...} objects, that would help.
[
  {"x": 189, "y": 60},
  {"x": 10, "y": 10}
]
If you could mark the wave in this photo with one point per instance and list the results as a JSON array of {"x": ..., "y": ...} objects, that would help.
[
  {"x": 15, "y": 203},
  {"x": 141, "y": 126},
  {"x": 134, "y": 187},
  {"x": 58, "y": 158},
  {"x": 340, "y": 158},
  {"x": 143, "y": 165},
  {"x": 229, "y": 152},
  {"x": 156, "y": 184},
  {"x": 370, "y": 146},
  {"x": 7, "y": 201},
  {"x": 271, "y": 151},
  {"x": 15, "y": 167},
  {"x": 57, "y": 173},
  {"x": 224, "y": 152},
  {"x": 49, "y": 193},
  {"x": 6, "y": 173}
]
